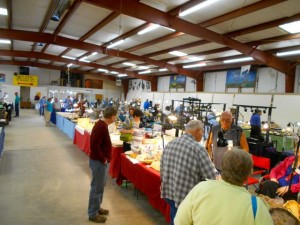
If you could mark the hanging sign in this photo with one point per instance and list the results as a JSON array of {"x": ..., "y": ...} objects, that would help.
[{"x": 25, "y": 80}]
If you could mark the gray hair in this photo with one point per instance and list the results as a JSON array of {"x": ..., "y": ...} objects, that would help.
[
  {"x": 194, "y": 125},
  {"x": 109, "y": 112},
  {"x": 236, "y": 166}
]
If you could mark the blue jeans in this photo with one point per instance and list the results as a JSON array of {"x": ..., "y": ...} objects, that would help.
[
  {"x": 99, "y": 176},
  {"x": 17, "y": 109},
  {"x": 173, "y": 210}
]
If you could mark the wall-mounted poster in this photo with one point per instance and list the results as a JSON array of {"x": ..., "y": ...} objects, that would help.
[
  {"x": 139, "y": 85},
  {"x": 236, "y": 79},
  {"x": 177, "y": 83},
  {"x": 91, "y": 83}
]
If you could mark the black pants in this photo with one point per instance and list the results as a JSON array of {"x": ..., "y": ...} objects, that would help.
[
  {"x": 126, "y": 147},
  {"x": 269, "y": 189}
]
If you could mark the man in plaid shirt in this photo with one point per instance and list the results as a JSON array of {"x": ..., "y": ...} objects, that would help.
[{"x": 184, "y": 164}]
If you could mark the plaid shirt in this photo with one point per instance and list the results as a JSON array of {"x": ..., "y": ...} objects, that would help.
[{"x": 184, "y": 164}]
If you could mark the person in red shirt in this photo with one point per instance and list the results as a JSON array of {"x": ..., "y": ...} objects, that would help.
[{"x": 100, "y": 156}]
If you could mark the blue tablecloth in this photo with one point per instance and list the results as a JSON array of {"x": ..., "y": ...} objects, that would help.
[
  {"x": 2, "y": 136},
  {"x": 59, "y": 121},
  {"x": 69, "y": 128},
  {"x": 65, "y": 126}
]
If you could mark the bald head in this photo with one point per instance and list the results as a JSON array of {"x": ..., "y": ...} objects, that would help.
[{"x": 226, "y": 120}]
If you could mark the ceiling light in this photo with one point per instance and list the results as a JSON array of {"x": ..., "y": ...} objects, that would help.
[
  {"x": 145, "y": 72},
  {"x": 103, "y": 70},
  {"x": 128, "y": 64},
  {"x": 3, "y": 11},
  {"x": 94, "y": 53},
  {"x": 144, "y": 67},
  {"x": 71, "y": 64},
  {"x": 4, "y": 41},
  {"x": 148, "y": 29},
  {"x": 83, "y": 59},
  {"x": 122, "y": 75},
  {"x": 293, "y": 27},
  {"x": 68, "y": 57},
  {"x": 114, "y": 72},
  {"x": 163, "y": 69},
  {"x": 116, "y": 43},
  {"x": 197, "y": 7},
  {"x": 296, "y": 52},
  {"x": 195, "y": 58},
  {"x": 177, "y": 53},
  {"x": 238, "y": 60},
  {"x": 195, "y": 65}
]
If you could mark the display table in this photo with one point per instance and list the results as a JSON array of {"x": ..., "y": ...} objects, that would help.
[
  {"x": 82, "y": 140},
  {"x": 146, "y": 180},
  {"x": 65, "y": 125},
  {"x": 2, "y": 136}
]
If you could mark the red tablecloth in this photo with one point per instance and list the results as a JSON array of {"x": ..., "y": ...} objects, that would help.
[
  {"x": 146, "y": 180},
  {"x": 82, "y": 141},
  {"x": 115, "y": 163}
]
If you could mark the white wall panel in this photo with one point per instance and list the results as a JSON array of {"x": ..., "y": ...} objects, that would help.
[{"x": 270, "y": 81}]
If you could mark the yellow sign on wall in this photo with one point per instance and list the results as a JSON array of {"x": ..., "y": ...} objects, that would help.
[{"x": 25, "y": 80}]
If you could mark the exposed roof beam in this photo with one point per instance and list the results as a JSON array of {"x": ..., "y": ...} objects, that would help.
[
  {"x": 52, "y": 67},
  {"x": 65, "y": 19},
  {"x": 146, "y": 13},
  {"x": 67, "y": 42}
]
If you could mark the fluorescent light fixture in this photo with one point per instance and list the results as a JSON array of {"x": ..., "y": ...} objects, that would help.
[
  {"x": 195, "y": 65},
  {"x": 296, "y": 52},
  {"x": 177, "y": 53},
  {"x": 128, "y": 64},
  {"x": 145, "y": 72},
  {"x": 162, "y": 69},
  {"x": 122, "y": 75},
  {"x": 4, "y": 41},
  {"x": 68, "y": 57},
  {"x": 195, "y": 58},
  {"x": 148, "y": 29},
  {"x": 197, "y": 7},
  {"x": 83, "y": 59},
  {"x": 114, "y": 72},
  {"x": 71, "y": 64},
  {"x": 3, "y": 11},
  {"x": 168, "y": 28},
  {"x": 116, "y": 43},
  {"x": 103, "y": 70},
  {"x": 238, "y": 60},
  {"x": 94, "y": 53},
  {"x": 144, "y": 67},
  {"x": 293, "y": 27}
]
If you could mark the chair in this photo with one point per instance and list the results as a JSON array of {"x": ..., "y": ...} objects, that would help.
[{"x": 261, "y": 168}]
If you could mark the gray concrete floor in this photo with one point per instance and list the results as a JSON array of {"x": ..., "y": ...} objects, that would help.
[{"x": 44, "y": 180}]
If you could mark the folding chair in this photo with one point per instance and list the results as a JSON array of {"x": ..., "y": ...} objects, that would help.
[{"x": 261, "y": 168}]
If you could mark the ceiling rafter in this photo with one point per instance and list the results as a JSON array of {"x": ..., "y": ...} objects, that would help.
[
  {"x": 67, "y": 42},
  {"x": 240, "y": 12},
  {"x": 146, "y": 13},
  {"x": 65, "y": 19}
]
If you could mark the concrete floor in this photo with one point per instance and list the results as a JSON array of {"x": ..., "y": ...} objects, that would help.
[{"x": 44, "y": 180}]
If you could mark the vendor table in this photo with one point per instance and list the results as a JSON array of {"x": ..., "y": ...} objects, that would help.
[
  {"x": 2, "y": 136},
  {"x": 82, "y": 141},
  {"x": 146, "y": 180},
  {"x": 66, "y": 126}
]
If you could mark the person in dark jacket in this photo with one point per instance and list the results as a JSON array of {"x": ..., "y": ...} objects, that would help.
[{"x": 100, "y": 156}]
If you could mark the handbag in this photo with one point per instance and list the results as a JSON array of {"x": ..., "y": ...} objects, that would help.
[{"x": 126, "y": 137}]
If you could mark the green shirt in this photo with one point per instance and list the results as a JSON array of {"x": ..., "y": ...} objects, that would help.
[
  {"x": 220, "y": 203},
  {"x": 17, "y": 100}
]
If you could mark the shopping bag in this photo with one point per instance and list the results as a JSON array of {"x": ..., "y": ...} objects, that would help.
[{"x": 126, "y": 137}]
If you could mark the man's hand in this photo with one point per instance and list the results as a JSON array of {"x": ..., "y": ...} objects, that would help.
[{"x": 274, "y": 180}]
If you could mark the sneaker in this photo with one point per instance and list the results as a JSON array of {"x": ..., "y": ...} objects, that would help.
[
  {"x": 103, "y": 211},
  {"x": 98, "y": 219}
]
